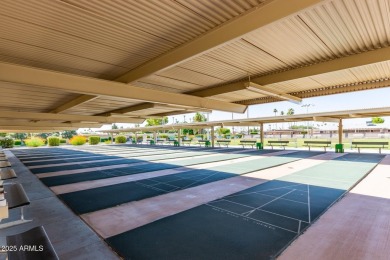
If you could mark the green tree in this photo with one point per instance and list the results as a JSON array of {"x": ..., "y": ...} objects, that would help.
[
  {"x": 275, "y": 111},
  {"x": 156, "y": 121},
  {"x": 19, "y": 136},
  {"x": 114, "y": 126},
  {"x": 68, "y": 134},
  {"x": 223, "y": 131},
  {"x": 43, "y": 135},
  {"x": 3, "y": 134},
  {"x": 290, "y": 111},
  {"x": 377, "y": 120},
  {"x": 282, "y": 113},
  {"x": 198, "y": 117}
]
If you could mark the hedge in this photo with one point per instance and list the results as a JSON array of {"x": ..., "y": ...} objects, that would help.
[
  {"x": 35, "y": 142},
  {"x": 120, "y": 139},
  {"x": 94, "y": 140},
  {"x": 78, "y": 140},
  {"x": 53, "y": 141},
  {"x": 7, "y": 142}
]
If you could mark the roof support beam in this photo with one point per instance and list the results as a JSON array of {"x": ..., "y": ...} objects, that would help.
[
  {"x": 209, "y": 92},
  {"x": 269, "y": 12},
  {"x": 361, "y": 59},
  {"x": 325, "y": 119},
  {"x": 133, "y": 108},
  {"x": 11, "y": 129},
  {"x": 67, "y": 117},
  {"x": 73, "y": 103},
  {"x": 48, "y": 124},
  {"x": 90, "y": 86},
  {"x": 24, "y": 130},
  {"x": 270, "y": 92}
]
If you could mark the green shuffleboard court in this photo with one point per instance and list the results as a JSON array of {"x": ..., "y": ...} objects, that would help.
[
  {"x": 149, "y": 167},
  {"x": 109, "y": 196},
  {"x": 256, "y": 223}
]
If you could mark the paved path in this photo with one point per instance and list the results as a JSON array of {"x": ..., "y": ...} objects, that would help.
[{"x": 70, "y": 236}]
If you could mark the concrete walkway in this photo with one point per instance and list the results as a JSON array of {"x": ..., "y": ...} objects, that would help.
[
  {"x": 357, "y": 227},
  {"x": 70, "y": 236}
]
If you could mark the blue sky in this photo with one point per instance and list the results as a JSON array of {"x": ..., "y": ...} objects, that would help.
[{"x": 353, "y": 100}]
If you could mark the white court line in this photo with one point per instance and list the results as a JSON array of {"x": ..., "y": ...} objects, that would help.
[
  {"x": 308, "y": 202},
  {"x": 252, "y": 218},
  {"x": 164, "y": 183},
  {"x": 230, "y": 196},
  {"x": 251, "y": 211},
  {"x": 151, "y": 187},
  {"x": 282, "y": 198},
  {"x": 262, "y": 210}
]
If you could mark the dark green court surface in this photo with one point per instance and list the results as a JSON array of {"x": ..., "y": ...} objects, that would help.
[
  {"x": 256, "y": 223},
  {"x": 150, "y": 166},
  {"x": 109, "y": 196}
]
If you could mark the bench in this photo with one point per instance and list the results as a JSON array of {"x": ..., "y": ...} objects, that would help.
[
  {"x": 379, "y": 145},
  {"x": 278, "y": 143},
  {"x": 317, "y": 144},
  {"x": 31, "y": 244},
  {"x": 160, "y": 141},
  {"x": 171, "y": 141},
  {"x": 206, "y": 143},
  {"x": 188, "y": 142},
  {"x": 7, "y": 173},
  {"x": 225, "y": 142},
  {"x": 247, "y": 142},
  {"x": 4, "y": 164},
  {"x": 15, "y": 197}
]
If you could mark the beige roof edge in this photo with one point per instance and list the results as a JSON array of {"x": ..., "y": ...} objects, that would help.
[
  {"x": 326, "y": 116},
  {"x": 91, "y": 86}
]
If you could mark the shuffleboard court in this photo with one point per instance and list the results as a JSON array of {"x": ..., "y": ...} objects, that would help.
[
  {"x": 109, "y": 196},
  {"x": 66, "y": 152},
  {"x": 95, "y": 175},
  {"x": 136, "y": 158},
  {"x": 169, "y": 154},
  {"x": 151, "y": 155},
  {"x": 256, "y": 223}
]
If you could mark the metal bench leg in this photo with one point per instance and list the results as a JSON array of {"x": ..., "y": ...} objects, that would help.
[
  {"x": 20, "y": 221},
  {"x": 358, "y": 149},
  {"x": 380, "y": 150}
]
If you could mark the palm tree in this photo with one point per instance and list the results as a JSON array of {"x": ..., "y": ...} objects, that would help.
[
  {"x": 290, "y": 112},
  {"x": 275, "y": 111},
  {"x": 282, "y": 114},
  {"x": 198, "y": 117}
]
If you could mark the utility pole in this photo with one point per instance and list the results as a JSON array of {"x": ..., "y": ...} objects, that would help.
[{"x": 307, "y": 112}]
